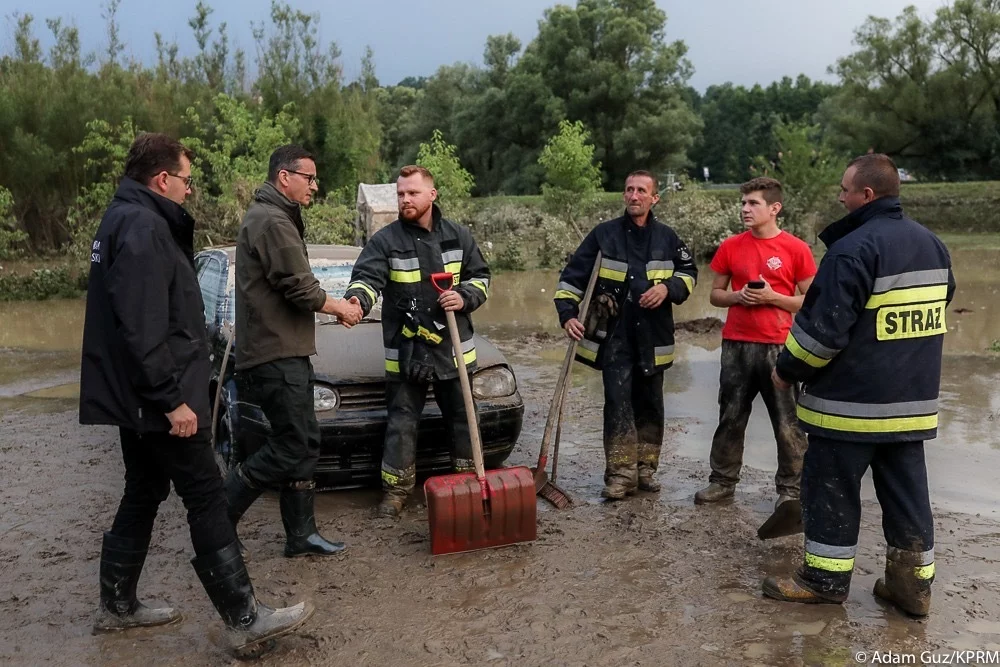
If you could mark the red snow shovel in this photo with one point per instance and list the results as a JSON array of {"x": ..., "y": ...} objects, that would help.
[{"x": 469, "y": 511}]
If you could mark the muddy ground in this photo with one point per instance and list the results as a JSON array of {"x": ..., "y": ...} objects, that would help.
[{"x": 653, "y": 580}]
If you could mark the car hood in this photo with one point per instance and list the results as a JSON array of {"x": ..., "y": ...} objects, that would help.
[{"x": 357, "y": 354}]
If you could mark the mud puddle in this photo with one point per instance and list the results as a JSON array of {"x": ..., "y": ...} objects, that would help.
[{"x": 653, "y": 580}]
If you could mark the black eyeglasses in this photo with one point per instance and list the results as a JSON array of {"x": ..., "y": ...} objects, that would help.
[
  {"x": 188, "y": 180},
  {"x": 311, "y": 178}
]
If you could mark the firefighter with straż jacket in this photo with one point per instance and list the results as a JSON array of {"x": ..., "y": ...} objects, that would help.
[
  {"x": 867, "y": 347},
  {"x": 397, "y": 263},
  {"x": 629, "y": 333}
]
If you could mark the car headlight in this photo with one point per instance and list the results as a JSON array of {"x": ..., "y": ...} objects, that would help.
[
  {"x": 325, "y": 398},
  {"x": 493, "y": 383}
]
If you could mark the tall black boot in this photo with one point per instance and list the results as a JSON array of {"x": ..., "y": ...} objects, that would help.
[
  {"x": 297, "y": 513},
  {"x": 240, "y": 495},
  {"x": 121, "y": 564},
  {"x": 251, "y": 625}
]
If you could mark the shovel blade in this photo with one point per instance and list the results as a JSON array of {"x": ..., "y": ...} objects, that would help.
[
  {"x": 786, "y": 520},
  {"x": 461, "y": 521}
]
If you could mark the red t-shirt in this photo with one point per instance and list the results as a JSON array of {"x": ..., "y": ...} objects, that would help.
[{"x": 784, "y": 261}]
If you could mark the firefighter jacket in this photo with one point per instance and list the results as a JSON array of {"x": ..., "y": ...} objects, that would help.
[
  {"x": 632, "y": 261},
  {"x": 867, "y": 343},
  {"x": 397, "y": 263}
]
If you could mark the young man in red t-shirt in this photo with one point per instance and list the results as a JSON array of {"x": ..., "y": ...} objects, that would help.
[{"x": 764, "y": 266}]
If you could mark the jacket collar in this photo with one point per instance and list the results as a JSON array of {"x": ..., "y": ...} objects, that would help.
[
  {"x": 179, "y": 221},
  {"x": 268, "y": 194},
  {"x": 888, "y": 207},
  {"x": 651, "y": 219}
]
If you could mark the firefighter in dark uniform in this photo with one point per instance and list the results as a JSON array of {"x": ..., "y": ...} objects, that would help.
[
  {"x": 629, "y": 333},
  {"x": 867, "y": 348},
  {"x": 397, "y": 263}
]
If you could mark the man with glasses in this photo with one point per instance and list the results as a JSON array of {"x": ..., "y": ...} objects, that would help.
[
  {"x": 145, "y": 369},
  {"x": 277, "y": 297}
]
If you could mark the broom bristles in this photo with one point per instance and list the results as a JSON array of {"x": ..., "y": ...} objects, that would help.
[{"x": 555, "y": 495}]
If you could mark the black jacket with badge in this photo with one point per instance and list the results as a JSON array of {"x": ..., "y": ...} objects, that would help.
[
  {"x": 144, "y": 343},
  {"x": 868, "y": 340},
  {"x": 664, "y": 258},
  {"x": 397, "y": 263}
]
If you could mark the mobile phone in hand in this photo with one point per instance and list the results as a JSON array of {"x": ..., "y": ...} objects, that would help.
[{"x": 756, "y": 284}]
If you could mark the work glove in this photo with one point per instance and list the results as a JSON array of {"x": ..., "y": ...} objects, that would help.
[
  {"x": 602, "y": 310},
  {"x": 416, "y": 363}
]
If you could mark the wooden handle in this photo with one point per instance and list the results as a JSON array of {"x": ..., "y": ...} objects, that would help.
[
  {"x": 555, "y": 408},
  {"x": 470, "y": 406}
]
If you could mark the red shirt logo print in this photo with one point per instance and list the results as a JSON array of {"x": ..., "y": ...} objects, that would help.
[{"x": 774, "y": 263}]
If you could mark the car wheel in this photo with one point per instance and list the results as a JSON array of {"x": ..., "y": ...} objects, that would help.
[{"x": 494, "y": 462}]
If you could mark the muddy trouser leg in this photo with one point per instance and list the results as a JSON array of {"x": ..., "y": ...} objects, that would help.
[
  {"x": 404, "y": 403},
  {"x": 789, "y": 437},
  {"x": 620, "y": 450},
  {"x": 448, "y": 394},
  {"x": 738, "y": 386},
  {"x": 284, "y": 391},
  {"x": 647, "y": 404},
  {"x": 831, "y": 513},
  {"x": 900, "y": 476}
]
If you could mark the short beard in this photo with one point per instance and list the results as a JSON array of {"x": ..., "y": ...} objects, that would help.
[{"x": 417, "y": 215}]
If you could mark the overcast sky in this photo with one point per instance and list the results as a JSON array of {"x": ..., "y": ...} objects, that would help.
[{"x": 728, "y": 40}]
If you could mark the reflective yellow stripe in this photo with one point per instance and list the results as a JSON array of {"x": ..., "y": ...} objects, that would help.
[
  {"x": 855, "y": 425},
  {"x": 663, "y": 359},
  {"x": 898, "y": 297},
  {"x": 405, "y": 276},
  {"x": 481, "y": 286},
  {"x": 392, "y": 366},
  {"x": 589, "y": 355},
  {"x": 829, "y": 564},
  {"x": 911, "y": 321},
  {"x": 408, "y": 332},
  {"x": 803, "y": 354},
  {"x": 564, "y": 294},
  {"x": 924, "y": 571},
  {"x": 427, "y": 334},
  {"x": 468, "y": 357},
  {"x": 688, "y": 282},
  {"x": 610, "y": 274},
  {"x": 362, "y": 286},
  {"x": 390, "y": 479},
  {"x": 454, "y": 268},
  {"x": 659, "y": 274}
]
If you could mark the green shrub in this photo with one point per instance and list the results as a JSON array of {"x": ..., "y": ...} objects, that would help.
[{"x": 40, "y": 284}]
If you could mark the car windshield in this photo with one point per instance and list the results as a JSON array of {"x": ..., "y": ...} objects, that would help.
[{"x": 333, "y": 275}]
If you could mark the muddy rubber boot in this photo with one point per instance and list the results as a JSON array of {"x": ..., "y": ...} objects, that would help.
[
  {"x": 647, "y": 482},
  {"x": 121, "y": 564},
  {"x": 252, "y": 626},
  {"x": 298, "y": 514},
  {"x": 789, "y": 589},
  {"x": 240, "y": 495},
  {"x": 907, "y": 583},
  {"x": 714, "y": 493},
  {"x": 621, "y": 472},
  {"x": 393, "y": 501}
]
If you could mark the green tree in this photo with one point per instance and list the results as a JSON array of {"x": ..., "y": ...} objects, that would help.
[
  {"x": 452, "y": 181},
  {"x": 11, "y": 236}
]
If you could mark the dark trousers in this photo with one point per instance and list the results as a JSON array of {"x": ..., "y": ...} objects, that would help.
[
  {"x": 746, "y": 372},
  {"x": 284, "y": 391},
  {"x": 405, "y": 404},
  {"x": 831, "y": 506},
  {"x": 633, "y": 413},
  {"x": 152, "y": 462}
]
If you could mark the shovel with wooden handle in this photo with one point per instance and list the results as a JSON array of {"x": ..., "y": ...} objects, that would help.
[
  {"x": 469, "y": 511},
  {"x": 544, "y": 486}
]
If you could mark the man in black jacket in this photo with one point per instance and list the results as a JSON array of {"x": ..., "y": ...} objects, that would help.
[
  {"x": 629, "y": 333},
  {"x": 145, "y": 369}
]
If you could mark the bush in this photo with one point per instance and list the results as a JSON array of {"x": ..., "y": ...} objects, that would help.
[
  {"x": 40, "y": 284},
  {"x": 12, "y": 237},
  {"x": 329, "y": 221}
]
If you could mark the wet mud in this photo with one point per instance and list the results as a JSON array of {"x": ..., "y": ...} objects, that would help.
[{"x": 652, "y": 580}]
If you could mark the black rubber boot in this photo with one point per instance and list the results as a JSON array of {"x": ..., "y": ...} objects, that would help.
[
  {"x": 240, "y": 495},
  {"x": 252, "y": 625},
  {"x": 297, "y": 513},
  {"x": 907, "y": 582},
  {"x": 121, "y": 564}
]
